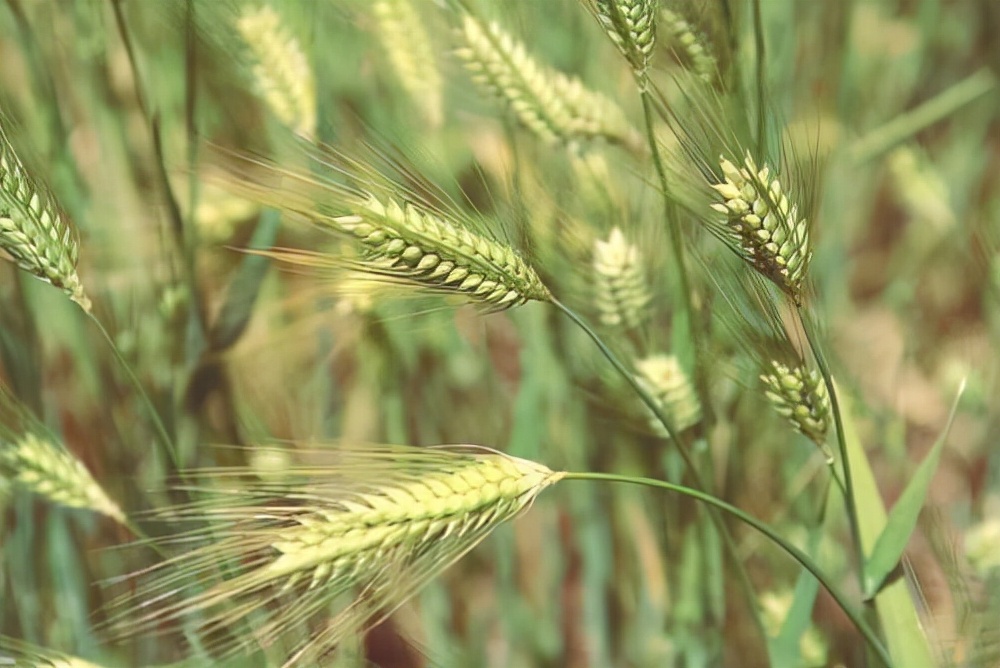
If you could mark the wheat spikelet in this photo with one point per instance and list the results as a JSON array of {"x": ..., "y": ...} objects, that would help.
[
  {"x": 689, "y": 44},
  {"x": 42, "y": 467},
  {"x": 33, "y": 231},
  {"x": 800, "y": 396},
  {"x": 282, "y": 75},
  {"x": 554, "y": 106},
  {"x": 764, "y": 226},
  {"x": 405, "y": 243},
  {"x": 362, "y": 536},
  {"x": 664, "y": 378},
  {"x": 621, "y": 291},
  {"x": 408, "y": 46},
  {"x": 631, "y": 25}
]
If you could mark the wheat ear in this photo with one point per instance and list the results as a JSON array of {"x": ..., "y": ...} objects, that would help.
[
  {"x": 621, "y": 291},
  {"x": 764, "y": 226},
  {"x": 281, "y": 72},
  {"x": 689, "y": 44},
  {"x": 44, "y": 468},
  {"x": 408, "y": 46},
  {"x": 665, "y": 380},
  {"x": 800, "y": 395},
  {"x": 631, "y": 25},
  {"x": 33, "y": 230},
  {"x": 362, "y": 536},
  {"x": 556, "y": 107},
  {"x": 403, "y": 242}
]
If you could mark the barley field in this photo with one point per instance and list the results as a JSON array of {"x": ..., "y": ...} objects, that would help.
[{"x": 536, "y": 333}]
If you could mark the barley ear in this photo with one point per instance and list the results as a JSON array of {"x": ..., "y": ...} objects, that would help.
[
  {"x": 40, "y": 466},
  {"x": 404, "y": 242},
  {"x": 556, "y": 107},
  {"x": 343, "y": 546},
  {"x": 631, "y": 25},
  {"x": 664, "y": 378},
  {"x": 800, "y": 396},
  {"x": 763, "y": 225},
  {"x": 281, "y": 72},
  {"x": 33, "y": 230},
  {"x": 689, "y": 45},
  {"x": 621, "y": 291},
  {"x": 408, "y": 47}
]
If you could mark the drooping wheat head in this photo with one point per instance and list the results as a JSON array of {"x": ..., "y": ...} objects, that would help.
[
  {"x": 799, "y": 394},
  {"x": 763, "y": 225},
  {"x": 407, "y": 44},
  {"x": 403, "y": 243},
  {"x": 556, "y": 107},
  {"x": 621, "y": 291},
  {"x": 33, "y": 230},
  {"x": 631, "y": 25},
  {"x": 38, "y": 465},
  {"x": 282, "y": 75},
  {"x": 362, "y": 536},
  {"x": 665, "y": 379},
  {"x": 689, "y": 45},
  {"x": 401, "y": 237}
]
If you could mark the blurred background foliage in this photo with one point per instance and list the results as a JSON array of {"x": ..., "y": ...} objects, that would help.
[{"x": 116, "y": 105}]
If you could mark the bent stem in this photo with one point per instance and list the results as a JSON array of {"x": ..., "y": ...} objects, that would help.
[
  {"x": 804, "y": 559},
  {"x": 847, "y": 484},
  {"x": 744, "y": 579}
]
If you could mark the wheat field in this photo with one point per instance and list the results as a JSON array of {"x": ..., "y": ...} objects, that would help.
[{"x": 458, "y": 333}]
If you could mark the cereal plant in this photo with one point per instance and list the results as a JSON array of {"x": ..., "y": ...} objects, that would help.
[{"x": 463, "y": 333}]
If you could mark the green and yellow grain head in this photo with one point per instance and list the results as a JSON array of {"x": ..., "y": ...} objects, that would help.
[
  {"x": 631, "y": 26},
  {"x": 621, "y": 290},
  {"x": 410, "y": 51},
  {"x": 663, "y": 377},
  {"x": 34, "y": 233},
  {"x": 556, "y": 107},
  {"x": 397, "y": 237},
  {"x": 282, "y": 75},
  {"x": 763, "y": 223},
  {"x": 33, "y": 462},
  {"x": 315, "y": 555},
  {"x": 691, "y": 48},
  {"x": 798, "y": 394}
]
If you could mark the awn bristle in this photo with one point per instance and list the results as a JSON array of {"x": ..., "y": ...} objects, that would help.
[
  {"x": 631, "y": 25},
  {"x": 621, "y": 291},
  {"x": 46, "y": 469},
  {"x": 327, "y": 539},
  {"x": 282, "y": 75},
  {"x": 33, "y": 230},
  {"x": 664, "y": 378},
  {"x": 689, "y": 45},
  {"x": 408, "y": 46},
  {"x": 799, "y": 395},
  {"x": 401, "y": 241},
  {"x": 765, "y": 227},
  {"x": 556, "y": 107}
]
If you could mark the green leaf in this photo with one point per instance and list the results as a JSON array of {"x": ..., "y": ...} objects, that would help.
[
  {"x": 902, "y": 520},
  {"x": 242, "y": 292},
  {"x": 897, "y": 612}
]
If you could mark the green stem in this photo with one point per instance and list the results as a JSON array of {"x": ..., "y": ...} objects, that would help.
[
  {"x": 883, "y": 138},
  {"x": 161, "y": 430},
  {"x": 850, "y": 498},
  {"x": 676, "y": 240},
  {"x": 653, "y": 405},
  {"x": 804, "y": 559}
]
